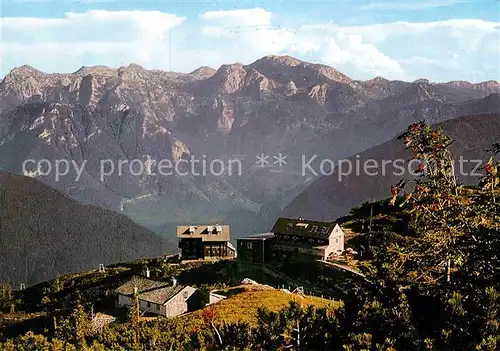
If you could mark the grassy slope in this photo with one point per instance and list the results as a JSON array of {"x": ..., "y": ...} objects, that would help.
[
  {"x": 242, "y": 306},
  {"x": 37, "y": 305}
]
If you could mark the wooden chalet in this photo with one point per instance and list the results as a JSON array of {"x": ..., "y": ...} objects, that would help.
[
  {"x": 205, "y": 241},
  {"x": 293, "y": 240}
]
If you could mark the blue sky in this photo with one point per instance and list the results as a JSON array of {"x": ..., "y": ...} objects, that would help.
[{"x": 441, "y": 40}]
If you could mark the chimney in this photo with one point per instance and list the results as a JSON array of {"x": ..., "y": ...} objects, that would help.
[
  {"x": 174, "y": 281},
  {"x": 147, "y": 272}
]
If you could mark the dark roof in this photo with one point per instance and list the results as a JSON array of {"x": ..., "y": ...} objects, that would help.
[
  {"x": 142, "y": 285},
  {"x": 262, "y": 236},
  {"x": 162, "y": 295},
  {"x": 215, "y": 232},
  {"x": 150, "y": 290},
  {"x": 304, "y": 228}
]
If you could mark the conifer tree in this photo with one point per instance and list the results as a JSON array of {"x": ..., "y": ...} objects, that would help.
[
  {"x": 438, "y": 206},
  {"x": 134, "y": 310}
]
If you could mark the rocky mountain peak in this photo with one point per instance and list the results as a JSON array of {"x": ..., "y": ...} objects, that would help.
[
  {"x": 229, "y": 78},
  {"x": 491, "y": 86},
  {"x": 85, "y": 70},
  {"x": 21, "y": 74},
  {"x": 421, "y": 81},
  {"x": 131, "y": 71},
  {"x": 255, "y": 78},
  {"x": 459, "y": 83},
  {"x": 329, "y": 73},
  {"x": 375, "y": 81},
  {"x": 131, "y": 112},
  {"x": 281, "y": 60},
  {"x": 495, "y": 83},
  {"x": 285, "y": 68},
  {"x": 203, "y": 71},
  {"x": 136, "y": 67},
  {"x": 25, "y": 70}
]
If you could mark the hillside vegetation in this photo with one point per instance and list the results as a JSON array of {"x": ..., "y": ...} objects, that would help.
[
  {"x": 44, "y": 233},
  {"x": 244, "y": 302},
  {"x": 330, "y": 197},
  {"x": 432, "y": 282}
]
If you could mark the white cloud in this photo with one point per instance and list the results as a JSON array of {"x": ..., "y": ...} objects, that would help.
[
  {"x": 457, "y": 28},
  {"x": 408, "y": 5},
  {"x": 238, "y": 18},
  {"x": 64, "y": 43},
  {"x": 350, "y": 50},
  {"x": 440, "y": 50}
]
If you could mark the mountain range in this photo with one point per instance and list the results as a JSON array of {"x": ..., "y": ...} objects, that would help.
[
  {"x": 277, "y": 105},
  {"x": 333, "y": 196}
]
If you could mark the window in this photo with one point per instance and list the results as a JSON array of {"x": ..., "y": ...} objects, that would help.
[
  {"x": 149, "y": 304},
  {"x": 158, "y": 307},
  {"x": 185, "y": 294},
  {"x": 250, "y": 245},
  {"x": 337, "y": 241}
]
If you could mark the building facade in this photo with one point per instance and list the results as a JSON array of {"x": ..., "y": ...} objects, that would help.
[
  {"x": 205, "y": 241},
  {"x": 156, "y": 297},
  {"x": 214, "y": 298},
  {"x": 255, "y": 248},
  {"x": 293, "y": 240}
]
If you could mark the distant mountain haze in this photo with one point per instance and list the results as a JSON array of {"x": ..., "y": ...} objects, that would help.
[
  {"x": 332, "y": 196},
  {"x": 276, "y": 105}
]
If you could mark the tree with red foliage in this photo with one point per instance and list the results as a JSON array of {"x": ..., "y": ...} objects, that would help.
[
  {"x": 209, "y": 316},
  {"x": 437, "y": 207}
]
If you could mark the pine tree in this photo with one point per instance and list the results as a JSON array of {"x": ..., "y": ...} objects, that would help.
[
  {"x": 483, "y": 246},
  {"x": 5, "y": 296},
  {"x": 134, "y": 310},
  {"x": 456, "y": 231},
  {"x": 81, "y": 324},
  {"x": 438, "y": 206}
]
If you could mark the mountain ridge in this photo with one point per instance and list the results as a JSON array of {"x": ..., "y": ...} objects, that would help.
[
  {"x": 278, "y": 60},
  {"x": 330, "y": 198},
  {"x": 44, "y": 233},
  {"x": 275, "y": 105}
]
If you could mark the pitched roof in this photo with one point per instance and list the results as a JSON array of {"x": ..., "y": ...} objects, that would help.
[
  {"x": 150, "y": 290},
  {"x": 161, "y": 295},
  {"x": 261, "y": 236},
  {"x": 219, "y": 296},
  {"x": 205, "y": 232},
  {"x": 304, "y": 228},
  {"x": 142, "y": 285}
]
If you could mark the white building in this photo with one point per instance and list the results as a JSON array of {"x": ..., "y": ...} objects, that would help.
[
  {"x": 156, "y": 297},
  {"x": 214, "y": 298}
]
